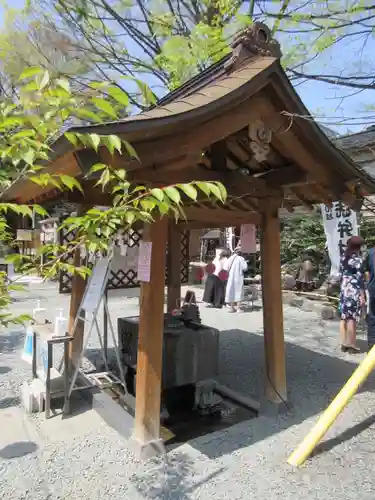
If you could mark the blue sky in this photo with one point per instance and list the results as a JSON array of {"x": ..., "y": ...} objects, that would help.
[{"x": 330, "y": 103}]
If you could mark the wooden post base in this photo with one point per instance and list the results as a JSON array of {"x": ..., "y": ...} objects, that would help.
[{"x": 148, "y": 449}]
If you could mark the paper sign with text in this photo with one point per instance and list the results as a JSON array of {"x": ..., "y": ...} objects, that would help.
[
  {"x": 340, "y": 223},
  {"x": 144, "y": 261}
]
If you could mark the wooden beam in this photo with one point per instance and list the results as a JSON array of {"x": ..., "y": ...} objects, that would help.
[
  {"x": 173, "y": 266},
  {"x": 273, "y": 308},
  {"x": 304, "y": 201},
  {"x": 86, "y": 158},
  {"x": 218, "y": 155},
  {"x": 285, "y": 176},
  {"x": 150, "y": 339},
  {"x": 220, "y": 215},
  {"x": 164, "y": 177}
]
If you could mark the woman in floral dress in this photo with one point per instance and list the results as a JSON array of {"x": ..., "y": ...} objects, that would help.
[{"x": 352, "y": 293}]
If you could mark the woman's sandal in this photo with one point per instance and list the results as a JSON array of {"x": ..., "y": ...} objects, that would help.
[{"x": 350, "y": 349}]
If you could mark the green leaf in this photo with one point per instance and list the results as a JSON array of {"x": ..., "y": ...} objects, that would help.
[
  {"x": 72, "y": 138},
  {"x": 105, "y": 177},
  {"x": 98, "y": 85},
  {"x": 131, "y": 151},
  {"x": 148, "y": 204},
  {"x": 40, "y": 210},
  {"x": 204, "y": 187},
  {"x": 172, "y": 194},
  {"x": 70, "y": 182},
  {"x": 44, "y": 81},
  {"x": 116, "y": 199},
  {"x": 25, "y": 210},
  {"x": 157, "y": 193},
  {"x": 130, "y": 217},
  {"x": 30, "y": 72},
  {"x": 29, "y": 156},
  {"x": 119, "y": 95},
  {"x": 31, "y": 87},
  {"x": 163, "y": 208},
  {"x": 115, "y": 143},
  {"x": 223, "y": 191},
  {"x": 148, "y": 96},
  {"x": 64, "y": 84},
  {"x": 105, "y": 106},
  {"x": 23, "y": 133},
  {"x": 95, "y": 141},
  {"x": 215, "y": 191},
  {"x": 97, "y": 167},
  {"x": 86, "y": 114},
  {"x": 189, "y": 190}
]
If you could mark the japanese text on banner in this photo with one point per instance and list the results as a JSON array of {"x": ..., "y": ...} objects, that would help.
[{"x": 340, "y": 223}]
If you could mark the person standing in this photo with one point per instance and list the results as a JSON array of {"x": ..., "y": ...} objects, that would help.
[
  {"x": 236, "y": 266},
  {"x": 369, "y": 269},
  {"x": 352, "y": 293},
  {"x": 214, "y": 290}
]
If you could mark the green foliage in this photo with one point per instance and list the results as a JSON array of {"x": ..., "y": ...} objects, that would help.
[
  {"x": 367, "y": 228},
  {"x": 182, "y": 56},
  {"x": 28, "y": 131},
  {"x": 300, "y": 234}
]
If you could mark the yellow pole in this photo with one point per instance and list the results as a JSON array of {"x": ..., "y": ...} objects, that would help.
[{"x": 299, "y": 456}]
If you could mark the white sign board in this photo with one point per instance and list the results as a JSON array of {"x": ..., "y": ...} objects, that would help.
[
  {"x": 24, "y": 235},
  {"x": 96, "y": 285},
  {"x": 144, "y": 261},
  {"x": 340, "y": 223}
]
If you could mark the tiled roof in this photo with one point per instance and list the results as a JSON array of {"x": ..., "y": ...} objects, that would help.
[{"x": 356, "y": 141}]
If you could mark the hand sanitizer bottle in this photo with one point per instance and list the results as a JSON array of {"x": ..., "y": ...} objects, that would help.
[
  {"x": 60, "y": 325},
  {"x": 39, "y": 314}
]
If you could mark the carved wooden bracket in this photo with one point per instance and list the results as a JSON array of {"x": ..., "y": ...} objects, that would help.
[{"x": 260, "y": 139}]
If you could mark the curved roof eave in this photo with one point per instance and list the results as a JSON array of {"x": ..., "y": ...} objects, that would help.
[
  {"x": 314, "y": 134},
  {"x": 158, "y": 120}
]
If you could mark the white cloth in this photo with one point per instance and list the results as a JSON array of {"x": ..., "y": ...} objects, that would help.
[
  {"x": 219, "y": 265},
  {"x": 236, "y": 265}
]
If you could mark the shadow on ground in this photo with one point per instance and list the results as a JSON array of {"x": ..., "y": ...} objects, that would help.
[
  {"x": 9, "y": 402},
  {"x": 11, "y": 341},
  {"x": 172, "y": 476},
  {"x": 347, "y": 435},
  {"x": 314, "y": 379},
  {"x": 18, "y": 450}
]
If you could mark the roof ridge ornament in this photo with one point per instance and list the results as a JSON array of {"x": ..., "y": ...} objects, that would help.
[{"x": 255, "y": 39}]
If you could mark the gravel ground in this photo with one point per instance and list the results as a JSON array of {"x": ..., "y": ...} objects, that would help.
[{"x": 82, "y": 457}]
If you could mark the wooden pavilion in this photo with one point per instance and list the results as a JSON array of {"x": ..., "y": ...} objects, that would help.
[{"x": 239, "y": 122}]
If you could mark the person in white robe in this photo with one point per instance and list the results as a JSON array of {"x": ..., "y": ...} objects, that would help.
[{"x": 236, "y": 266}]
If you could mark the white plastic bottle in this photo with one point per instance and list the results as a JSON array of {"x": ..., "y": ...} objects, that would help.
[
  {"x": 61, "y": 325},
  {"x": 39, "y": 314}
]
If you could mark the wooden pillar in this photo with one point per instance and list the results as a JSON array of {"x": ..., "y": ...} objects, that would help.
[
  {"x": 78, "y": 289},
  {"x": 150, "y": 339},
  {"x": 173, "y": 265},
  {"x": 273, "y": 308}
]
